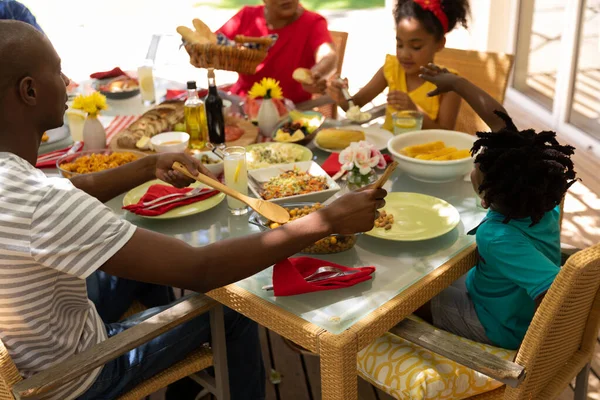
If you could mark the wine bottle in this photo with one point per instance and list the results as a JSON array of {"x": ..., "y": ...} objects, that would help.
[{"x": 213, "y": 105}]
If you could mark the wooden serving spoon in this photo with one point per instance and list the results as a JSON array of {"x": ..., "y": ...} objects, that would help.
[
  {"x": 386, "y": 175},
  {"x": 271, "y": 211}
]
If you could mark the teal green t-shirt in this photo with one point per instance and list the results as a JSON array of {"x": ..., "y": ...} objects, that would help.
[{"x": 516, "y": 264}]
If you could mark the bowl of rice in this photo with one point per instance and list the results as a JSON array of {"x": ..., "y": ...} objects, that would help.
[
  {"x": 86, "y": 162},
  {"x": 265, "y": 155}
]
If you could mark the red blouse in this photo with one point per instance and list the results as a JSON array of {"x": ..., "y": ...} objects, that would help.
[{"x": 296, "y": 47}]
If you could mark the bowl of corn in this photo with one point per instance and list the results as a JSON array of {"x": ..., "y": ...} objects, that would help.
[{"x": 433, "y": 155}]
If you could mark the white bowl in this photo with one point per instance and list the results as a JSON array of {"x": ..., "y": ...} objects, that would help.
[
  {"x": 264, "y": 174},
  {"x": 216, "y": 169},
  {"x": 432, "y": 171},
  {"x": 170, "y": 142}
]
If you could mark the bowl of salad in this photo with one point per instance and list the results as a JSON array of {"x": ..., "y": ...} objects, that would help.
[
  {"x": 298, "y": 127},
  {"x": 265, "y": 155}
]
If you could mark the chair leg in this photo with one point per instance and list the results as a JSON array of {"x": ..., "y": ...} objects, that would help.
[
  {"x": 581, "y": 384},
  {"x": 217, "y": 326}
]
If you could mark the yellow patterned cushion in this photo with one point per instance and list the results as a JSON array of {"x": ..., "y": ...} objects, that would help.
[{"x": 407, "y": 371}]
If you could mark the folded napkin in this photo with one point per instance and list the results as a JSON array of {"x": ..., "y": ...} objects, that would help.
[
  {"x": 156, "y": 191},
  {"x": 288, "y": 276},
  {"x": 175, "y": 94},
  {"x": 113, "y": 73},
  {"x": 48, "y": 160},
  {"x": 332, "y": 165}
]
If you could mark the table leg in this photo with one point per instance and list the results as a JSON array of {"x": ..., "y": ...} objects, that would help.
[{"x": 339, "y": 375}]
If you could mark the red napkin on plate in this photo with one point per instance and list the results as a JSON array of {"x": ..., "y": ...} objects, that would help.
[
  {"x": 156, "y": 191},
  {"x": 113, "y": 73},
  {"x": 48, "y": 160},
  {"x": 332, "y": 164},
  {"x": 288, "y": 276}
]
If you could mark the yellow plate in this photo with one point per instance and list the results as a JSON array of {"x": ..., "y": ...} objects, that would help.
[
  {"x": 417, "y": 217},
  {"x": 135, "y": 194}
]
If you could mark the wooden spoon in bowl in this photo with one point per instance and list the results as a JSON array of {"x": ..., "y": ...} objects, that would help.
[{"x": 271, "y": 211}]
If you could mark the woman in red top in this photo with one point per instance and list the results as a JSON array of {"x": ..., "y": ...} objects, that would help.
[{"x": 304, "y": 42}]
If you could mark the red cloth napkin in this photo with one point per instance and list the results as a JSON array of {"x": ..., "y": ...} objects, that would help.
[
  {"x": 288, "y": 276},
  {"x": 332, "y": 164},
  {"x": 48, "y": 160},
  {"x": 156, "y": 191},
  {"x": 174, "y": 94},
  {"x": 113, "y": 73}
]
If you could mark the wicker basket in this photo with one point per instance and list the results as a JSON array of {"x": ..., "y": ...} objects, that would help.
[{"x": 230, "y": 58}]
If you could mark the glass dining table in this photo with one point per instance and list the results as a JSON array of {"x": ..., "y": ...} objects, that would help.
[{"x": 337, "y": 324}]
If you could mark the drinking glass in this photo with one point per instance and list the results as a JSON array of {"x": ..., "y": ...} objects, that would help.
[
  {"x": 407, "y": 121},
  {"x": 236, "y": 177},
  {"x": 146, "y": 82}
]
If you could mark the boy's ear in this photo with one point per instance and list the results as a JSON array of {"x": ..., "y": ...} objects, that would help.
[{"x": 441, "y": 44}]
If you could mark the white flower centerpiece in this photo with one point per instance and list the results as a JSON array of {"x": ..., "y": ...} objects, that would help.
[{"x": 361, "y": 159}]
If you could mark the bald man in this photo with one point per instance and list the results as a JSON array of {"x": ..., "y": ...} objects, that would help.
[{"x": 55, "y": 233}]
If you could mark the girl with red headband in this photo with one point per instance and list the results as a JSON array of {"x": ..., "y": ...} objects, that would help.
[{"x": 421, "y": 26}]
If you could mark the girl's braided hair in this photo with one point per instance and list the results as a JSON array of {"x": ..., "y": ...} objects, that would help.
[{"x": 526, "y": 173}]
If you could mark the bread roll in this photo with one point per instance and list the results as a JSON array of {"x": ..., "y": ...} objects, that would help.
[
  {"x": 338, "y": 139},
  {"x": 191, "y": 36},
  {"x": 204, "y": 31},
  {"x": 303, "y": 75}
]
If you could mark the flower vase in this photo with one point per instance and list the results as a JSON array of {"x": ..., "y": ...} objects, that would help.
[
  {"x": 356, "y": 180},
  {"x": 268, "y": 116},
  {"x": 94, "y": 135}
]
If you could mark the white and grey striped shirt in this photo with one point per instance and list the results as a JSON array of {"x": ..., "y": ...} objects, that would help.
[{"x": 52, "y": 237}]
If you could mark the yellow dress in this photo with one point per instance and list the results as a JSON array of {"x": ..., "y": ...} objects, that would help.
[{"x": 396, "y": 80}]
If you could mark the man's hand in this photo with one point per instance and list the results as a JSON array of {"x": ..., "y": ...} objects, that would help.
[
  {"x": 164, "y": 172},
  {"x": 400, "y": 100},
  {"x": 354, "y": 212},
  {"x": 440, "y": 77}
]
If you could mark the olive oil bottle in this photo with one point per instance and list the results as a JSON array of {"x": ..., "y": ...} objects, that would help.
[{"x": 195, "y": 118}]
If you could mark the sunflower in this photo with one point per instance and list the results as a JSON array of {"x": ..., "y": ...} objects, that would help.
[
  {"x": 267, "y": 88},
  {"x": 92, "y": 104}
]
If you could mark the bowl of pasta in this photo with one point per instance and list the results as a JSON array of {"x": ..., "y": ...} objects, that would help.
[{"x": 86, "y": 162}]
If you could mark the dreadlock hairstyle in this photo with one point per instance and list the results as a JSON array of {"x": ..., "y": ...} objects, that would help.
[
  {"x": 526, "y": 173},
  {"x": 437, "y": 16}
]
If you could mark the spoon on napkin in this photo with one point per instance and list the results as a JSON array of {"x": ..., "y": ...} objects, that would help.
[{"x": 271, "y": 211}]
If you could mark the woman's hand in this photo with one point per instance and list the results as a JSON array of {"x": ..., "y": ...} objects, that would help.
[
  {"x": 319, "y": 85},
  {"x": 400, "y": 100},
  {"x": 440, "y": 77}
]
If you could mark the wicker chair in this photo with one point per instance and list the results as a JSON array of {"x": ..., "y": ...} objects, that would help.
[
  {"x": 557, "y": 347},
  {"x": 12, "y": 385}
]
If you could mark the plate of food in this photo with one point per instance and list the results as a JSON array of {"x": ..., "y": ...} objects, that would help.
[
  {"x": 120, "y": 88},
  {"x": 331, "y": 244},
  {"x": 409, "y": 217},
  {"x": 86, "y": 162},
  {"x": 334, "y": 140},
  {"x": 135, "y": 194},
  {"x": 298, "y": 127},
  {"x": 301, "y": 181},
  {"x": 264, "y": 155},
  {"x": 55, "y": 135}
]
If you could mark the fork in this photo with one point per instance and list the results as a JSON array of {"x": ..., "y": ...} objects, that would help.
[
  {"x": 332, "y": 272},
  {"x": 194, "y": 193},
  {"x": 168, "y": 196}
]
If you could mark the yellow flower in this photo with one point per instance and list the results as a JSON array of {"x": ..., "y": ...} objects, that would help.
[
  {"x": 92, "y": 104},
  {"x": 267, "y": 88},
  {"x": 272, "y": 88},
  {"x": 257, "y": 91}
]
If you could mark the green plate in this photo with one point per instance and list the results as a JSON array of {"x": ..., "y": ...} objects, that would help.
[
  {"x": 135, "y": 194},
  {"x": 417, "y": 217},
  {"x": 307, "y": 155}
]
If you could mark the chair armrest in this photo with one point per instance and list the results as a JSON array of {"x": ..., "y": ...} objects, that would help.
[
  {"x": 470, "y": 356},
  {"x": 113, "y": 347},
  {"x": 566, "y": 251}
]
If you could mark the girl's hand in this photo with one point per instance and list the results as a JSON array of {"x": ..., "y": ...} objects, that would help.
[
  {"x": 441, "y": 77},
  {"x": 335, "y": 89},
  {"x": 400, "y": 100}
]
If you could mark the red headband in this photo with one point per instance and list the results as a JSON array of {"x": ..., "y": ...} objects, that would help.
[{"x": 435, "y": 6}]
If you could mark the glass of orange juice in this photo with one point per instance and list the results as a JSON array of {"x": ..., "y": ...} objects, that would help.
[{"x": 236, "y": 177}]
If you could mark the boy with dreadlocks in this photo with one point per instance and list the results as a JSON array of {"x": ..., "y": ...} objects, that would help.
[{"x": 521, "y": 177}]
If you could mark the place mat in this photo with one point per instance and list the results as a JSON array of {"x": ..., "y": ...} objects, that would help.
[{"x": 118, "y": 124}]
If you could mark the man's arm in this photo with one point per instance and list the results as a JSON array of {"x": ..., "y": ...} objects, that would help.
[
  {"x": 155, "y": 258},
  {"x": 483, "y": 104},
  {"x": 108, "y": 184}
]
